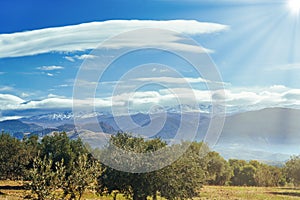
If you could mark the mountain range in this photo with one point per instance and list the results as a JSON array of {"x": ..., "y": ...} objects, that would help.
[{"x": 271, "y": 134}]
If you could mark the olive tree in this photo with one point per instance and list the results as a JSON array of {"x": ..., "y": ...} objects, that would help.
[
  {"x": 181, "y": 179},
  {"x": 292, "y": 168}
]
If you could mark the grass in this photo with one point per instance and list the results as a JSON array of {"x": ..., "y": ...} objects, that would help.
[
  {"x": 12, "y": 190},
  {"x": 249, "y": 193}
]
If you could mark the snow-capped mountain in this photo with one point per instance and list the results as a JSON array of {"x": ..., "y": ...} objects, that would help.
[
  {"x": 57, "y": 116},
  {"x": 275, "y": 131}
]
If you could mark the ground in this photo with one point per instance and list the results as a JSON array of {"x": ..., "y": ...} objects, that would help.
[
  {"x": 12, "y": 190},
  {"x": 249, "y": 193}
]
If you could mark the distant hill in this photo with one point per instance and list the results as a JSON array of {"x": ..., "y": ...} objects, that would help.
[
  {"x": 271, "y": 134},
  {"x": 17, "y": 128},
  {"x": 274, "y": 130},
  {"x": 271, "y": 126}
]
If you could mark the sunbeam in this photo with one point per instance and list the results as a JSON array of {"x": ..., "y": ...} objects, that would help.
[{"x": 294, "y": 6}]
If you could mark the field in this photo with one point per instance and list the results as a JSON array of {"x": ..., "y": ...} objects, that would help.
[
  {"x": 13, "y": 190},
  {"x": 260, "y": 193}
]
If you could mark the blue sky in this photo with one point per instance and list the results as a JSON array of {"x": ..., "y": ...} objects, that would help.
[{"x": 255, "y": 45}]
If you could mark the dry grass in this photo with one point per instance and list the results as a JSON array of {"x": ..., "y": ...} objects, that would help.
[
  {"x": 249, "y": 193},
  {"x": 12, "y": 190}
]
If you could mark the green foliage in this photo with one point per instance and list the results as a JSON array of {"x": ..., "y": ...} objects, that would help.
[
  {"x": 182, "y": 179},
  {"x": 247, "y": 175},
  {"x": 44, "y": 180},
  {"x": 292, "y": 169},
  {"x": 61, "y": 147},
  {"x": 49, "y": 183},
  {"x": 135, "y": 185},
  {"x": 269, "y": 176},
  {"x": 217, "y": 169},
  {"x": 15, "y": 156},
  {"x": 243, "y": 173},
  {"x": 66, "y": 166},
  {"x": 254, "y": 173},
  {"x": 84, "y": 176},
  {"x": 63, "y": 168}
]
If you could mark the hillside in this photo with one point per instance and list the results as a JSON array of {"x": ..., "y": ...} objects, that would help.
[{"x": 271, "y": 134}]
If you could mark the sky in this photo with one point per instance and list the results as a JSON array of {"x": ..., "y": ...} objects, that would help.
[{"x": 254, "y": 46}]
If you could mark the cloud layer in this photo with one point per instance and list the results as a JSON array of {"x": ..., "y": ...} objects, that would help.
[
  {"x": 235, "y": 98},
  {"x": 89, "y": 35}
]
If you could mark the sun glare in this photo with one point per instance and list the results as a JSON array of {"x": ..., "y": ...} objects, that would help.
[{"x": 294, "y": 6}]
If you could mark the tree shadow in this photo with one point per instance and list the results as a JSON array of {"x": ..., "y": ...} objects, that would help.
[
  {"x": 9, "y": 187},
  {"x": 289, "y": 188},
  {"x": 294, "y": 194}
]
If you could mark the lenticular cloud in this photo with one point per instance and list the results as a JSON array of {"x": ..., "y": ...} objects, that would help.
[{"x": 89, "y": 35}]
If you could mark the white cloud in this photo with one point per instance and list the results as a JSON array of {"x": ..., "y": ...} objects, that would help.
[
  {"x": 48, "y": 103},
  {"x": 169, "y": 41},
  {"x": 278, "y": 88},
  {"x": 9, "y": 118},
  {"x": 132, "y": 83},
  {"x": 12, "y": 102},
  {"x": 85, "y": 56},
  {"x": 64, "y": 85},
  {"x": 6, "y": 88},
  {"x": 24, "y": 94},
  {"x": 49, "y": 74},
  {"x": 293, "y": 94},
  {"x": 8, "y": 102},
  {"x": 173, "y": 80},
  {"x": 50, "y": 68},
  {"x": 55, "y": 96},
  {"x": 69, "y": 58},
  {"x": 235, "y": 99},
  {"x": 89, "y": 35},
  {"x": 274, "y": 96},
  {"x": 80, "y": 57}
]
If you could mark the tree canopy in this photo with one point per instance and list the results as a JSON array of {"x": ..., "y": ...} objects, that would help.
[{"x": 58, "y": 163}]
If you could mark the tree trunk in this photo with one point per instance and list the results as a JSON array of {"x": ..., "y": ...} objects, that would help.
[
  {"x": 154, "y": 196},
  {"x": 136, "y": 196}
]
